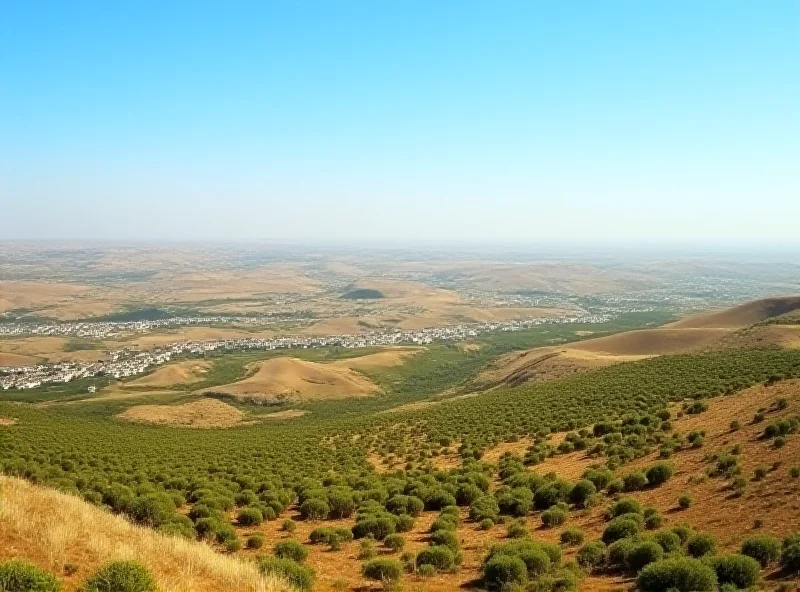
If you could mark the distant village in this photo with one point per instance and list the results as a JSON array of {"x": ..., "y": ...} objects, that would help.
[{"x": 127, "y": 362}]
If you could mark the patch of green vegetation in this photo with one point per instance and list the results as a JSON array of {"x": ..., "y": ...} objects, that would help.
[
  {"x": 363, "y": 294},
  {"x": 74, "y": 345}
]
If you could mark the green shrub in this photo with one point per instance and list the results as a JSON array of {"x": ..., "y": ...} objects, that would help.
[
  {"x": 626, "y": 505},
  {"x": 581, "y": 492},
  {"x": 501, "y": 571},
  {"x": 299, "y": 576},
  {"x": 790, "y": 558},
  {"x": 682, "y": 575},
  {"x": 153, "y": 509},
  {"x": 685, "y": 501},
  {"x": 643, "y": 553},
  {"x": 289, "y": 525},
  {"x": 615, "y": 486},
  {"x": 395, "y": 542},
  {"x": 250, "y": 517},
  {"x": 255, "y": 541},
  {"x": 739, "y": 570},
  {"x": 290, "y": 549},
  {"x": 314, "y": 509},
  {"x": 554, "y": 516},
  {"x": 517, "y": 530},
  {"x": 659, "y": 473},
  {"x": 668, "y": 540},
  {"x": 426, "y": 570},
  {"x": 634, "y": 481},
  {"x": 20, "y": 576},
  {"x": 620, "y": 528},
  {"x": 653, "y": 519},
  {"x": 445, "y": 538},
  {"x": 121, "y": 576},
  {"x": 179, "y": 526},
  {"x": 571, "y": 536},
  {"x": 701, "y": 544},
  {"x": 340, "y": 502},
  {"x": 684, "y": 532},
  {"x": 405, "y": 523},
  {"x": 486, "y": 524},
  {"x": 618, "y": 551},
  {"x": 441, "y": 558},
  {"x": 763, "y": 548},
  {"x": 383, "y": 570},
  {"x": 591, "y": 555},
  {"x": 367, "y": 549}
]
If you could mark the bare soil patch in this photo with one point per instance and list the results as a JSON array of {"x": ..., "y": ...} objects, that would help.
[
  {"x": 17, "y": 360},
  {"x": 205, "y": 413},
  {"x": 7, "y": 421}
]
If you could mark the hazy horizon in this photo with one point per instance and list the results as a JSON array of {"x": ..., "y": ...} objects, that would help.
[{"x": 618, "y": 123}]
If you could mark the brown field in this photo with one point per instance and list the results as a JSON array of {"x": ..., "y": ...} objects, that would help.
[
  {"x": 204, "y": 413},
  {"x": 52, "y": 529},
  {"x": 293, "y": 379},
  {"x": 172, "y": 374},
  {"x": 50, "y": 349},
  {"x": 32, "y": 295},
  {"x": 743, "y": 315},
  {"x": 7, "y": 421},
  {"x": 14, "y": 360}
]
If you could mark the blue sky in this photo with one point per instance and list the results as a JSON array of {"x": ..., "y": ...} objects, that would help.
[{"x": 513, "y": 121}]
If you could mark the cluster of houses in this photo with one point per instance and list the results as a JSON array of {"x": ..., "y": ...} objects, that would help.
[
  {"x": 105, "y": 329},
  {"x": 126, "y": 362}
]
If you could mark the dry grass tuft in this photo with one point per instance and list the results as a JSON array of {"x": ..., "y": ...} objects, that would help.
[{"x": 52, "y": 528}]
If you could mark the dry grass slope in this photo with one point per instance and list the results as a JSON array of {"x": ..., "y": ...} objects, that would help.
[
  {"x": 178, "y": 373},
  {"x": 52, "y": 529},
  {"x": 205, "y": 413},
  {"x": 293, "y": 379},
  {"x": 743, "y": 315}
]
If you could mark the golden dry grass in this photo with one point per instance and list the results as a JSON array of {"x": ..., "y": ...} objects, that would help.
[
  {"x": 205, "y": 413},
  {"x": 291, "y": 378},
  {"x": 51, "y": 529},
  {"x": 178, "y": 373}
]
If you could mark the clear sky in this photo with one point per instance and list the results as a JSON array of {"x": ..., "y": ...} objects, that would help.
[{"x": 400, "y": 120}]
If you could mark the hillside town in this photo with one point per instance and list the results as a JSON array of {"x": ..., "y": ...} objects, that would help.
[{"x": 123, "y": 363}]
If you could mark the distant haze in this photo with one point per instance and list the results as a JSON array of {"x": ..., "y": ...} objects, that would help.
[{"x": 444, "y": 121}]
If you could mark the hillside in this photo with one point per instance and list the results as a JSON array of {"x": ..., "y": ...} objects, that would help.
[
  {"x": 53, "y": 529},
  {"x": 741, "y": 316},
  {"x": 732, "y": 327}
]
